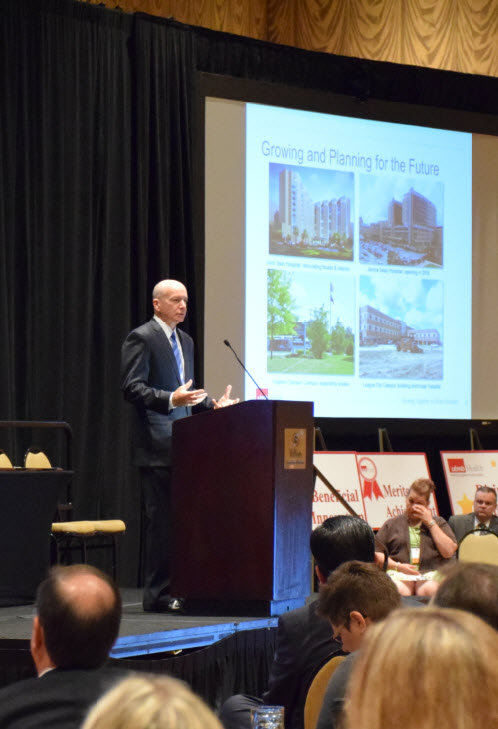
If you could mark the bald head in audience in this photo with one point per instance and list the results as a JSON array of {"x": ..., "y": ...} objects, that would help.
[
  {"x": 471, "y": 587},
  {"x": 78, "y": 611}
]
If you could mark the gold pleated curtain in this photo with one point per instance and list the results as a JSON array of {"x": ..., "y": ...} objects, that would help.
[{"x": 454, "y": 35}]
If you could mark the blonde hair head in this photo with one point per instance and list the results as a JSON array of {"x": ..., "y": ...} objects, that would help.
[
  {"x": 431, "y": 668},
  {"x": 146, "y": 701}
]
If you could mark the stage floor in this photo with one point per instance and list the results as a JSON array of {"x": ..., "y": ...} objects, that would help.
[{"x": 143, "y": 633}]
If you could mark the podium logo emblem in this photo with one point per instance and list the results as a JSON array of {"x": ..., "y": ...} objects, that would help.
[{"x": 295, "y": 448}]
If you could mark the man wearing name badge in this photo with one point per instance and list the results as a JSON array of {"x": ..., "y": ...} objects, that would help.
[
  {"x": 482, "y": 516},
  {"x": 157, "y": 366}
]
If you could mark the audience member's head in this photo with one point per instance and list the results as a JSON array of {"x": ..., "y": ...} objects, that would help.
[
  {"x": 147, "y": 701},
  {"x": 432, "y": 668},
  {"x": 484, "y": 503},
  {"x": 77, "y": 621},
  {"x": 419, "y": 494},
  {"x": 341, "y": 539},
  {"x": 423, "y": 487},
  {"x": 355, "y": 596},
  {"x": 471, "y": 587}
]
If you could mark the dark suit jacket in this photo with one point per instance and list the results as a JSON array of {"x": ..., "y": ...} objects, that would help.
[
  {"x": 462, "y": 524},
  {"x": 304, "y": 640},
  {"x": 149, "y": 376},
  {"x": 57, "y": 700}
]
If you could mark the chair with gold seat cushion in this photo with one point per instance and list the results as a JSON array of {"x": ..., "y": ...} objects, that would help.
[
  {"x": 316, "y": 691},
  {"x": 480, "y": 545},
  {"x": 5, "y": 461},
  {"x": 69, "y": 535},
  {"x": 34, "y": 458}
]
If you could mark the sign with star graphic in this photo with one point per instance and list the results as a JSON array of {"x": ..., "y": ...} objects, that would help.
[{"x": 464, "y": 472}]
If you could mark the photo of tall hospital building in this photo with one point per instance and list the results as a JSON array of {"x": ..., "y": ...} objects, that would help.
[
  {"x": 298, "y": 212},
  {"x": 410, "y": 225}
]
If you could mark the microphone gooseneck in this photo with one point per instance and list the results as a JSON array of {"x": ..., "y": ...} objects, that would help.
[{"x": 227, "y": 343}]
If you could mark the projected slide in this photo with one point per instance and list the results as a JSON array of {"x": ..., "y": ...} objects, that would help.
[{"x": 358, "y": 264}]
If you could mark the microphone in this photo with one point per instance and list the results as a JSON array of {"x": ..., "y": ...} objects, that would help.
[{"x": 227, "y": 343}]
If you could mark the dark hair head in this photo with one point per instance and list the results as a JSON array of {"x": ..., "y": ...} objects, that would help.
[
  {"x": 79, "y": 609},
  {"x": 361, "y": 587},
  {"x": 340, "y": 539},
  {"x": 471, "y": 587},
  {"x": 486, "y": 490}
]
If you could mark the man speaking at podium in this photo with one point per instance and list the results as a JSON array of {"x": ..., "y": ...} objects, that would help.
[{"x": 157, "y": 368}]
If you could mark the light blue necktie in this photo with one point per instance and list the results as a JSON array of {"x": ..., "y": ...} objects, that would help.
[{"x": 178, "y": 356}]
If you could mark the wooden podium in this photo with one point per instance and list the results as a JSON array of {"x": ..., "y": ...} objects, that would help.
[{"x": 242, "y": 494}]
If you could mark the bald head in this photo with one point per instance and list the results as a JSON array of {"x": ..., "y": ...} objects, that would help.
[
  {"x": 88, "y": 593},
  {"x": 79, "y": 611},
  {"x": 169, "y": 299},
  {"x": 162, "y": 287}
]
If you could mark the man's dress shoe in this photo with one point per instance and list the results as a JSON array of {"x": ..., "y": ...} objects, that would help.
[{"x": 174, "y": 606}]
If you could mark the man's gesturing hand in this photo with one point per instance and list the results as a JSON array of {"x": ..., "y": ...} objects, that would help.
[
  {"x": 225, "y": 400},
  {"x": 186, "y": 397}
]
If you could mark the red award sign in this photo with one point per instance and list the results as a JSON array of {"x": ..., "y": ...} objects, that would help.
[{"x": 368, "y": 474}]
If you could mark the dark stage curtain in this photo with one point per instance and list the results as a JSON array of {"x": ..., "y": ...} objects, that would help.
[
  {"x": 98, "y": 166},
  {"x": 65, "y": 229},
  {"x": 163, "y": 126},
  {"x": 237, "y": 664}
]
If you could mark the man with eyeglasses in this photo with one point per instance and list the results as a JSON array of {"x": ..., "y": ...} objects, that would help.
[
  {"x": 355, "y": 596},
  {"x": 304, "y": 639}
]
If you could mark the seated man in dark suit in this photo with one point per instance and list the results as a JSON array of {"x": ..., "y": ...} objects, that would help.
[
  {"x": 77, "y": 622},
  {"x": 304, "y": 639},
  {"x": 481, "y": 517}
]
